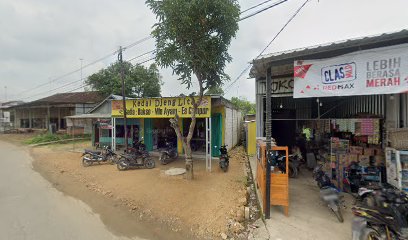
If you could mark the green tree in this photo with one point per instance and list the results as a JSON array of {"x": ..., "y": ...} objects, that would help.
[
  {"x": 139, "y": 81},
  {"x": 217, "y": 90},
  {"x": 192, "y": 37},
  {"x": 245, "y": 106}
]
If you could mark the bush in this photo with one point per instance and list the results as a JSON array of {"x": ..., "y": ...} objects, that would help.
[{"x": 48, "y": 137}]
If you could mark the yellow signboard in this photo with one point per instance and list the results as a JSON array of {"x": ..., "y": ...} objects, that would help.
[{"x": 161, "y": 107}]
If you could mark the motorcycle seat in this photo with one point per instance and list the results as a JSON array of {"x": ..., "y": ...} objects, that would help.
[{"x": 92, "y": 151}]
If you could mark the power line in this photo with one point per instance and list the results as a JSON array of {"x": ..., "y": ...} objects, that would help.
[
  {"x": 262, "y": 10},
  {"x": 263, "y": 50},
  {"x": 141, "y": 61},
  {"x": 262, "y": 3},
  {"x": 89, "y": 64},
  {"x": 137, "y": 43}
]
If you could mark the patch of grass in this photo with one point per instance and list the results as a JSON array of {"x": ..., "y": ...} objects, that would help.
[{"x": 48, "y": 137}]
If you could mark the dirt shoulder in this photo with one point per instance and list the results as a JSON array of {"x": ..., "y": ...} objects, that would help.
[{"x": 147, "y": 203}]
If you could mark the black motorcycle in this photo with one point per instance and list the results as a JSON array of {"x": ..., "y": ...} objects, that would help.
[
  {"x": 138, "y": 148},
  {"x": 294, "y": 164},
  {"x": 328, "y": 192},
  {"x": 129, "y": 161},
  {"x": 224, "y": 158},
  {"x": 169, "y": 154},
  {"x": 106, "y": 155},
  {"x": 386, "y": 220},
  {"x": 353, "y": 178}
]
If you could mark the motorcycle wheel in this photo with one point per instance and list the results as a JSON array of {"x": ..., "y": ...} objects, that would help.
[
  {"x": 85, "y": 162},
  {"x": 371, "y": 234},
  {"x": 293, "y": 172},
  {"x": 112, "y": 160},
  {"x": 163, "y": 158},
  {"x": 121, "y": 164},
  {"x": 223, "y": 166},
  {"x": 338, "y": 215},
  {"x": 149, "y": 163}
]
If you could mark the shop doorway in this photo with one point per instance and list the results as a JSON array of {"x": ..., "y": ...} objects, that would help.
[
  {"x": 162, "y": 132},
  {"x": 198, "y": 139},
  {"x": 284, "y": 128}
]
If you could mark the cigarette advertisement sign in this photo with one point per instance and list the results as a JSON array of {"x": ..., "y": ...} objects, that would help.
[
  {"x": 374, "y": 71},
  {"x": 162, "y": 107}
]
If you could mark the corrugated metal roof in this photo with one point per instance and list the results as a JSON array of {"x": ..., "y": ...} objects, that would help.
[
  {"x": 67, "y": 98},
  {"x": 327, "y": 50}
]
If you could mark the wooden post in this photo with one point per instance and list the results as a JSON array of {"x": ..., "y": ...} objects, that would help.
[
  {"x": 268, "y": 126},
  {"x": 48, "y": 117},
  {"x": 59, "y": 119},
  {"x": 30, "y": 120}
]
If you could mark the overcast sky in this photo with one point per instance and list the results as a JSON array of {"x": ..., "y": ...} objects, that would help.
[{"x": 41, "y": 40}]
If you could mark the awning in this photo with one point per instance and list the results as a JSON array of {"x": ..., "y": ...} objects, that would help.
[{"x": 89, "y": 116}]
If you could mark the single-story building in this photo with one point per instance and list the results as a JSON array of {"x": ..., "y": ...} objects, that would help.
[
  {"x": 52, "y": 110},
  {"x": 218, "y": 122}
]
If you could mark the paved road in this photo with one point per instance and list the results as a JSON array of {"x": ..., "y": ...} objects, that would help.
[{"x": 30, "y": 208}]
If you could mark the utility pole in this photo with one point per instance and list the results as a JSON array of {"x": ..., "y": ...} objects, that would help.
[
  {"x": 268, "y": 126},
  {"x": 5, "y": 93},
  {"x": 81, "y": 59},
  {"x": 123, "y": 96}
]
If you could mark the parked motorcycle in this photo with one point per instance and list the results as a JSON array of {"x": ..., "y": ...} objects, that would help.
[
  {"x": 106, "y": 155},
  {"x": 328, "y": 192},
  {"x": 294, "y": 164},
  {"x": 129, "y": 161},
  {"x": 169, "y": 154},
  {"x": 138, "y": 148},
  {"x": 224, "y": 158},
  {"x": 386, "y": 220},
  {"x": 353, "y": 179}
]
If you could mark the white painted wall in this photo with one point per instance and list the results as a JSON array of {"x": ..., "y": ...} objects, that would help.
[{"x": 232, "y": 127}]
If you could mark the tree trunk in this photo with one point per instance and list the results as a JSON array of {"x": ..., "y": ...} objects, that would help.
[{"x": 187, "y": 140}]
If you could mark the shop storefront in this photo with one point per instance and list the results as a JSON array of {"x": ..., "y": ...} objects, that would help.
[
  {"x": 218, "y": 123},
  {"x": 339, "y": 101}
]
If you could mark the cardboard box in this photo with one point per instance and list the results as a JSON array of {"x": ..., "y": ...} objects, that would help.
[
  {"x": 379, "y": 152},
  {"x": 343, "y": 159},
  {"x": 379, "y": 161},
  {"x": 369, "y": 151},
  {"x": 364, "y": 160},
  {"x": 356, "y": 150},
  {"x": 353, "y": 158}
]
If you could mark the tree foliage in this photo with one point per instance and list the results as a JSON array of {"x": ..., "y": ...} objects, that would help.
[
  {"x": 193, "y": 36},
  {"x": 245, "y": 106},
  {"x": 139, "y": 80},
  {"x": 216, "y": 90}
]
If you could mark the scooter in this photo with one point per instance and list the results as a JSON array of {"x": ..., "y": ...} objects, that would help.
[
  {"x": 294, "y": 164},
  {"x": 169, "y": 154},
  {"x": 224, "y": 158},
  {"x": 328, "y": 192},
  {"x": 385, "y": 221},
  {"x": 90, "y": 157},
  {"x": 130, "y": 161}
]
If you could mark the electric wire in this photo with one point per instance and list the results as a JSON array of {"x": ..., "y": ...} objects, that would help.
[
  {"x": 262, "y": 3},
  {"x": 88, "y": 64},
  {"x": 137, "y": 43},
  {"x": 142, "y": 61},
  {"x": 264, "y": 49},
  {"x": 262, "y": 10}
]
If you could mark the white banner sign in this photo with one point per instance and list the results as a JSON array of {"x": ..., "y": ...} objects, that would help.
[{"x": 374, "y": 71}]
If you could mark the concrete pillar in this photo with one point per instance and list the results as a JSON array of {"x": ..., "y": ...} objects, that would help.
[
  {"x": 59, "y": 119},
  {"x": 48, "y": 117},
  {"x": 30, "y": 119}
]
